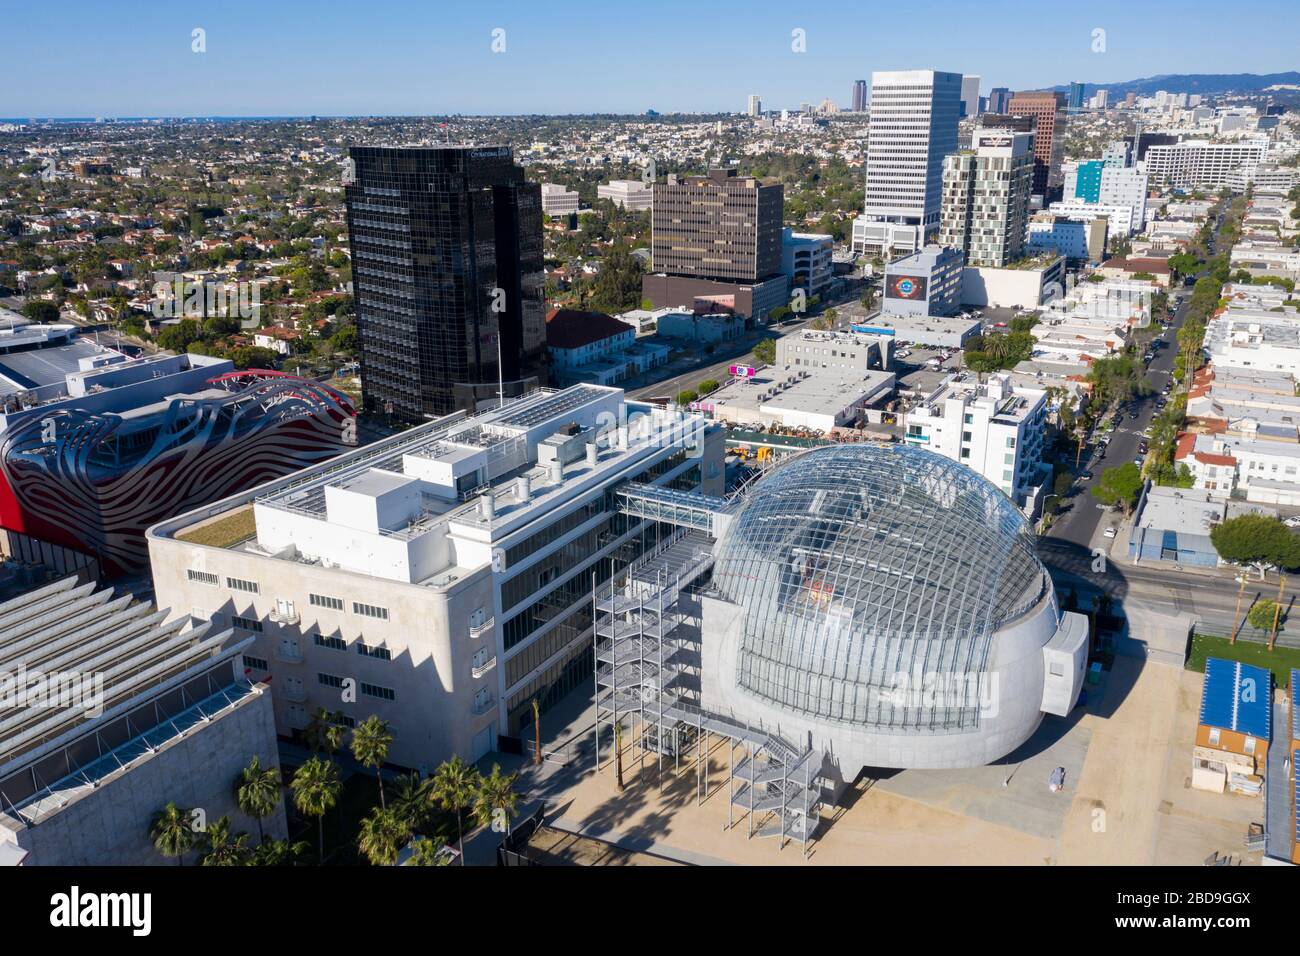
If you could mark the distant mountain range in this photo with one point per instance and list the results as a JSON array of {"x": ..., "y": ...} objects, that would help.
[{"x": 1203, "y": 83}]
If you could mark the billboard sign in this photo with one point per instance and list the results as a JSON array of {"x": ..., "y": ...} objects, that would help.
[
  {"x": 742, "y": 371},
  {"x": 905, "y": 287}
]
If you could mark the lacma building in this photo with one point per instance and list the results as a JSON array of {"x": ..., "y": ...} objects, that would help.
[{"x": 442, "y": 578}]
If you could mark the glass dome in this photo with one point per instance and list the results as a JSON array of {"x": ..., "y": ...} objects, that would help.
[{"x": 855, "y": 564}]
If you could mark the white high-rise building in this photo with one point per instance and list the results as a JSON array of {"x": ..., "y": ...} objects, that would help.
[
  {"x": 913, "y": 127},
  {"x": 755, "y": 104}
]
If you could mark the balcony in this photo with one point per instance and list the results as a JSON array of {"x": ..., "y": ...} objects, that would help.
[
  {"x": 478, "y": 670},
  {"x": 297, "y": 719},
  {"x": 483, "y": 705},
  {"x": 292, "y": 692},
  {"x": 285, "y": 617},
  {"x": 287, "y": 655},
  {"x": 478, "y": 630}
]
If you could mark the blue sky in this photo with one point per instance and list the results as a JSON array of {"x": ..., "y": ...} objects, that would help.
[{"x": 292, "y": 57}]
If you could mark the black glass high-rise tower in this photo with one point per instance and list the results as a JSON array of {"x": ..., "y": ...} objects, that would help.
[{"x": 446, "y": 255}]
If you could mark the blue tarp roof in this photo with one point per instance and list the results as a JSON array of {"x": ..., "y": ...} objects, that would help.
[{"x": 1238, "y": 697}]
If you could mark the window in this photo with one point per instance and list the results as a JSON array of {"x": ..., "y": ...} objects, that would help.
[
  {"x": 247, "y": 623},
  {"x": 203, "y": 577},
  {"x": 333, "y": 643},
  {"x": 330, "y": 680},
  {"x": 1250, "y": 745},
  {"x": 370, "y": 650},
  {"x": 239, "y": 584},
  {"x": 369, "y": 610},
  {"x": 255, "y": 663},
  {"x": 1214, "y": 736},
  {"x": 324, "y": 600},
  {"x": 374, "y": 690}
]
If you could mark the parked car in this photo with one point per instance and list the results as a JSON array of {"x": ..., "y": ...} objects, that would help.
[
  {"x": 1143, "y": 447},
  {"x": 1110, "y": 532},
  {"x": 1085, "y": 476}
]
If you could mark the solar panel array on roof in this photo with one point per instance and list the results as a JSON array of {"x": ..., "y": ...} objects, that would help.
[
  {"x": 1237, "y": 697},
  {"x": 1295, "y": 704}
]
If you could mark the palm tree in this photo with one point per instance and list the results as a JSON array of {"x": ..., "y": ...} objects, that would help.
[
  {"x": 496, "y": 793},
  {"x": 325, "y": 733},
  {"x": 412, "y": 799},
  {"x": 257, "y": 792},
  {"x": 223, "y": 850},
  {"x": 316, "y": 787},
  {"x": 370, "y": 743},
  {"x": 425, "y": 852},
  {"x": 381, "y": 837},
  {"x": 172, "y": 833},
  {"x": 454, "y": 785},
  {"x": 278, "y": 853}
]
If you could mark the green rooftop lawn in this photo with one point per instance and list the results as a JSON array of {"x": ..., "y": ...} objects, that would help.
[
  {"x": 223, "y": 532},
  {"x": 1280, "y": 660}
]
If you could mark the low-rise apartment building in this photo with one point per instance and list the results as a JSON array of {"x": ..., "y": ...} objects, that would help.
[{"x": 994, "y": 427}]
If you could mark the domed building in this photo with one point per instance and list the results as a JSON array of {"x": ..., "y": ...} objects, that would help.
[{"x": 885, "y": 604}]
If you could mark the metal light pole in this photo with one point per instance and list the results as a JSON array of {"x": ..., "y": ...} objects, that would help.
[{"x": 1236, "y": 617}]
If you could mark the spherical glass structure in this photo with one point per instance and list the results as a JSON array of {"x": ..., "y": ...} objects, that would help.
[{"x": 855, "y": 564}]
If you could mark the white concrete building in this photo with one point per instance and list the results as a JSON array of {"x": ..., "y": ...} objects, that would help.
[
  {"x": 819, "y": 399},
  {"x": 914, "y": 115},
  {"x": 631, "y": 194},
  {"x": 991, "y": 427},
  {"x": 806, "y": 259},
  {"x": 558, "y": 201},
  {"x": 440, "y": 578},
  {"x": 1201, "y": 164},
  {"x": 1120, "y": 219}
]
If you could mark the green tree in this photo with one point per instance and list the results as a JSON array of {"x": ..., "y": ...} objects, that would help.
[
  {"x": 496, "y": 793},
  {"x": 278, "y": 853},
  {"x": 765, "y": 352},
  {"x": 1257, "y": 541},
  {"x": 412, "y": 800},
  {"x": 426, "y": 852},
  {"x": 316, "y": 788},
  {"x": 381, "y": 837},
  {"x": 223, "y": 848},
  {"x": 455, "y": 784},
  {"x": 172, "y": 832},
  {"x": 370, "y": 743},
  {"x": 1119, "y": 486},
  {"x": 1261, "y": 614},
  {"x": 39, "y": 310},
  {"x": 257, "y": 792},
  {"x": 324, "y": 732}
]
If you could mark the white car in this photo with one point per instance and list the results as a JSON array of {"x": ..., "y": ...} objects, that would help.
[
  {"x": 1110, "y": 532},
  {"x": 1293, "y": 521}
]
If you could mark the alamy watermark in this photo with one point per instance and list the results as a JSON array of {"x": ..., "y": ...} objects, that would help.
[{"x": 56, "y": 690}]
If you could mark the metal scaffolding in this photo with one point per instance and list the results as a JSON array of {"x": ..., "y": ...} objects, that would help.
[{"x": 645, "y": 651}]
